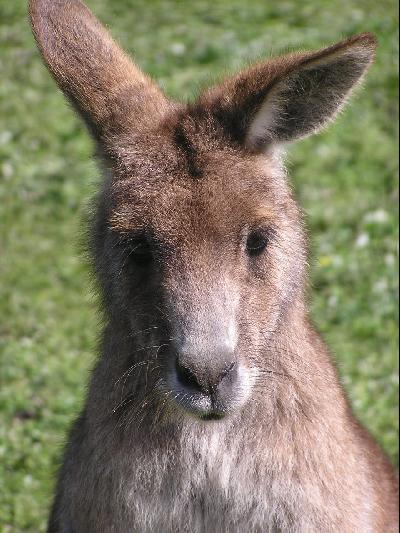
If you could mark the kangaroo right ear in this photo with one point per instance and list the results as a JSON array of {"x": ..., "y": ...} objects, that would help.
[
  {"x": 103, "y": 84},
  {"x": 290, "y": 97}
]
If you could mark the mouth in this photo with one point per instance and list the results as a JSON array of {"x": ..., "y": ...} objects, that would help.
[
  {"x": 211, "y": 406},
  {"x": 200, "y": 406},
  {"x": 212, "y": 416},
  {"x": 208, "y": 408}
]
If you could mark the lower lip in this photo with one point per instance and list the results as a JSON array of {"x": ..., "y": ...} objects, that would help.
[
  {"x": 204, "y": 412},
  {"x": 212, "y": 416}
]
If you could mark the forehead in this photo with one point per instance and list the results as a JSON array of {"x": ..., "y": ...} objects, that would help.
[{"x": 180, "y": 183}]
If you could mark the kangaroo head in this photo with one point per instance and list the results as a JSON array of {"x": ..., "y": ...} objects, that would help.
[{"x": 197, "y": 240}]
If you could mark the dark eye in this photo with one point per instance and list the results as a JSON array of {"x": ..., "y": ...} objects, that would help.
[
  {"x": 140, "y": 251},
  {"x": 256, "y": 243},
  {"x": 137, "y": 249}
]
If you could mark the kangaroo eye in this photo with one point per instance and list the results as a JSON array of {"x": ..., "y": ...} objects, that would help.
[
  {"x": 256, "y": 243},
  {"x": 140, "y": 252},
  {"x": 136, "y": 249}
]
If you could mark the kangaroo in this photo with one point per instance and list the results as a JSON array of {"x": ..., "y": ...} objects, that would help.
[{"x": 214, "y": 405}]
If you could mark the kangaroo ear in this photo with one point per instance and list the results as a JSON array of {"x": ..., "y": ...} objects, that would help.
[
  {"x": 290, "y": 97},
  {"x": 103, "y": 84}
]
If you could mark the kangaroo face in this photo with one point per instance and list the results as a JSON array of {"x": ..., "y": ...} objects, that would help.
[
  {"x": 206, "y": 261},
  {"x": 197, "y": 242}
]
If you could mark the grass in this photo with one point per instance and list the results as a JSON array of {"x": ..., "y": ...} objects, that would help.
[{"x": 345, "y": 180}]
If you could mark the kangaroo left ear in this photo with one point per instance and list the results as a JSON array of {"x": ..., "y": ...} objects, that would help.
[
  {"x": 100, "y": 80},
  {"x": 290, "y": 97}
]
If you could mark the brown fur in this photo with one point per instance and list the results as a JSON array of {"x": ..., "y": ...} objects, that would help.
[{"x": 195, "y": 312}]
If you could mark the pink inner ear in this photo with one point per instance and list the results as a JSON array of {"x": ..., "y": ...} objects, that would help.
[
  {"x": 289, "y": 97},
  {"x": 307, "y": 99}
]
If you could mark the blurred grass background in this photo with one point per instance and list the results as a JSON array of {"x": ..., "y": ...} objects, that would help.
[{"x": 346, "y": 180}]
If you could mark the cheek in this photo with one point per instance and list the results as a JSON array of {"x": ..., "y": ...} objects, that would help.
[
  {"x": 132, "y": 290},
  {"x": 281, "y": 265},
  {"x": 262, "y": 300}
]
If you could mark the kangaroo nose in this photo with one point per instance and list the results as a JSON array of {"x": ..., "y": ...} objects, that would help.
[{"x": 205, "y": 379}]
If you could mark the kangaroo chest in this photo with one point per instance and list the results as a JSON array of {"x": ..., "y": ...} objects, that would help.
[{"x": 210, "y": 488}]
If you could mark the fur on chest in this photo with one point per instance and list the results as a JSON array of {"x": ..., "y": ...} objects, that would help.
[{"x": 211, "y": 486}]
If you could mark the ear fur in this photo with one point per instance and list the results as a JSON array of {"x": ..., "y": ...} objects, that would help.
[
  {"x": 292, "y": 96},
  {"x": 104, "y": 85}
]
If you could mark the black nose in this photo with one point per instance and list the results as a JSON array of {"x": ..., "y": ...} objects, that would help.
[{"x": 206, "y": 380}]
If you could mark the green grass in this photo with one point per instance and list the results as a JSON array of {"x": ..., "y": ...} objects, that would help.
[{"x": 345, "y": 180}]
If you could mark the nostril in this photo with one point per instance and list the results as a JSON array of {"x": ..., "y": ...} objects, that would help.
[
  {"x": 226, "y": 371},
  {"x": 186, "y": 376},
  {"x": 211, "y": 380}
]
